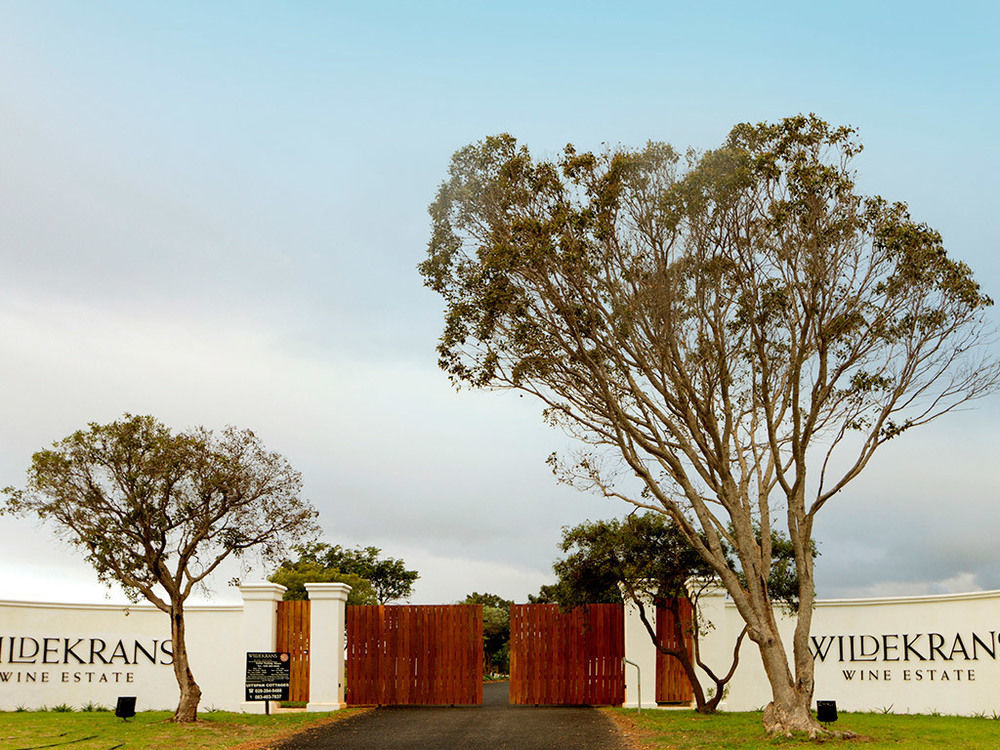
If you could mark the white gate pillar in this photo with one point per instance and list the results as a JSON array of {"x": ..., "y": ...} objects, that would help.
[
  {"x": 260, "y": 627},
  {"x": 640, "y": 650},
  {"x": 327, "y": 623}
]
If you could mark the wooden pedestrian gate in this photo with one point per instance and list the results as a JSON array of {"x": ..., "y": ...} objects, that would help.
[
  {"x": 293, "y": 637},
  {"x": 567, "y": 658},
  {"x": 414, "y": 655},
  {"x": 672, "y": 684}
]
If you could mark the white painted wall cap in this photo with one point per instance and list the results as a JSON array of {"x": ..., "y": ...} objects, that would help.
[
  {"x": 261, "y": 591},
  {"x": 890, "y": 600},
  {"x": 327, "y": 591},
  {"x": 106, "y": 607}
]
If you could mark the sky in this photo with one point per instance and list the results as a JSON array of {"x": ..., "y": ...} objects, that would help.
[{"x": 213, "y": 213}]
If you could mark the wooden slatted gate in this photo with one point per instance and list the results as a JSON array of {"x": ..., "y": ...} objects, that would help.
[
  {"x": 567, "y": 658},
  {"x": 414, "y": 655},
  {"x": 672, "y": 685},
  {"x": 293, "y": 637}
]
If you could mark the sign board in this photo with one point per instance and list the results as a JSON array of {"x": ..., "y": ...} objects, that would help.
[{"x": 269, "y": 674}]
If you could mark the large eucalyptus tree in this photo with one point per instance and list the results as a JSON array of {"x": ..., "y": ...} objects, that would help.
[{"x": 739, "y": 329}]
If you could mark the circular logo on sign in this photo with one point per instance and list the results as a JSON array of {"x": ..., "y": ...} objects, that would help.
[{"x": 283, "y": 657}]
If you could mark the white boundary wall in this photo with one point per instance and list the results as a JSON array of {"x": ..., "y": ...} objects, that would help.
[
  {"x": 52, "y": 654},
  {"x": 75, "y": 654},
  {"x": 913, "y": 654},
  {"x": 904, "y": 654}
]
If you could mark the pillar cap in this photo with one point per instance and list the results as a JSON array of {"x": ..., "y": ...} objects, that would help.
[
  {"x": 262, "y": 592},
  {"x": 334, "y": 591}
]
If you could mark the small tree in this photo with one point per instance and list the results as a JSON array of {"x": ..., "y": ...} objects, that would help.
[
  {"x": 647, "y": 560},
  {"x": 158, "y": 512},
  {"x": 294, "y": 575},
  {"x": 496, "y": 630},
  {"x": 378, "y": 580},
  {"x": 732, "y": 336}
]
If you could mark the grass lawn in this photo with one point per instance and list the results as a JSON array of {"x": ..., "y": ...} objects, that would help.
[
  {"x": 150, "y": 730},
  {"x": 660, "y": 730}
]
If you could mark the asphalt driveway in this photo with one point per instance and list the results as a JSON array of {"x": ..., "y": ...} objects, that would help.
[{"x": 493, "y": 726}]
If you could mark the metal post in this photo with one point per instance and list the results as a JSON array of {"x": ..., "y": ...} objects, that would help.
[{"x": 638, "y": 685}]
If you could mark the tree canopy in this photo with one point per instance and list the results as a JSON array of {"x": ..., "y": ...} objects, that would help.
[
  {"x": 158, "y": 511},
  {"x": 643, "y": 556},
  {"x": 373, "y": 579},
  {"x": 646, "y": 560},
  {"x": 732, "y": 335},
  {"x": 294, "y": 575}
]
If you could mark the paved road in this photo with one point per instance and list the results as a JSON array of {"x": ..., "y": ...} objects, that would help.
[{"x": 492, "y": 726}]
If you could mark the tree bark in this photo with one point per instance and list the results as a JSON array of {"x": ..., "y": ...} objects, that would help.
[
  {"x": 791, "y": 717},
  {"x": 190, "y": 693},
  {"x": 789, "y": 711}
]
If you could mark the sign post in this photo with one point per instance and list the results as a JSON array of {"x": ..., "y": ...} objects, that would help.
[{"x": 269, "y": 675}]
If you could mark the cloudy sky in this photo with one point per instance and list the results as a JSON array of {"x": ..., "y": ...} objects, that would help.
[{"x": 212, "y": 213}]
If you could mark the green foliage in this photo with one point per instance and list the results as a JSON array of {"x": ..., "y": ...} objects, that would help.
[
  {"x": 293, "y": 575},
  {"x": 496, "y": 630},
  {"x": 494, "y": 601},
  {"x": 547, "y": 594},
  {"x": 644, "y": 554},
  {"x": 374, "y": 580}
]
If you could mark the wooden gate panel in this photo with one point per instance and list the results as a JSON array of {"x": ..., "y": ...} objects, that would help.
[
  {"x": 567, "y": 658},
  {"x": 414, "y": 655},
  {"x": 293, "y": 637},
  {"x": 672, "y": 684}
]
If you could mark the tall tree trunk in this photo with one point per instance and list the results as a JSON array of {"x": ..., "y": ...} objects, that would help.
[
  {"x": 190, "y": 693},
  {"x": 789, "y": 710}
]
